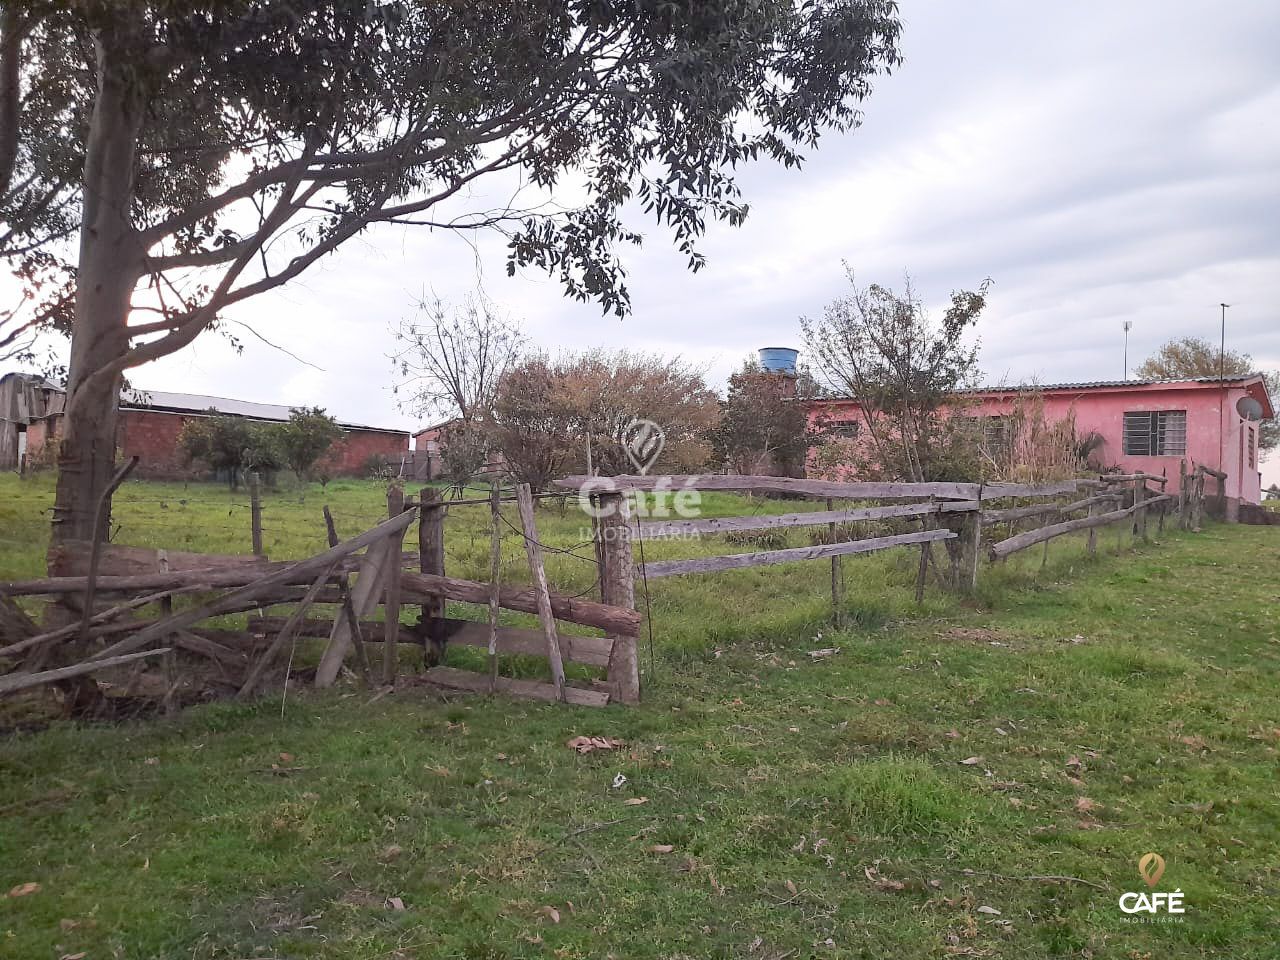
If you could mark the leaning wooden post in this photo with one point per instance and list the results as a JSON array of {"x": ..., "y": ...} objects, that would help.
[
  {"x": 533, "y": 548},
  {"x": 617, "y": 587},
  {"x": 1182, "y": 494},
  {"x": 431, "y": 547},
  {"x": 344, "y": 592},
  {"x": 255, "y": 512},
  {"x": 495, "y": 578},
  {"x": 973, "y": 543},
  {"x": 836, "y": 598},
  {"x": 391, "y": 588},
  {"x": 1092, "y": 546}
]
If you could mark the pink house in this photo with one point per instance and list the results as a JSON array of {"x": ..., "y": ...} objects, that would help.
[{"x": 1146, "y": 425}]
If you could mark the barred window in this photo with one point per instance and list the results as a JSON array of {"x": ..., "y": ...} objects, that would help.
[
  {"x": 1253, "y": 449},
  {"x": 1155, "y": 433},
  {"x": 996, "y": 435}
]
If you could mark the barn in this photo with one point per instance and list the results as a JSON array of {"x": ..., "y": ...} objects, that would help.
[{"x": 151, "y": 420}]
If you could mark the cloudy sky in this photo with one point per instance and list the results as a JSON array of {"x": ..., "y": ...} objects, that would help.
[{"x": 1101, "y": 162}]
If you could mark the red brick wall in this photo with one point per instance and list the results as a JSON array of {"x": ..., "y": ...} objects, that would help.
[
  {"x": 347, "y": 457},
  {"x": 153, "y": 436}
]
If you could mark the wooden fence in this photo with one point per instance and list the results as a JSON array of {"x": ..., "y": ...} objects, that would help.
[
  {"x": 104, "y": 587},
  {"x": 113, "y": 637}
]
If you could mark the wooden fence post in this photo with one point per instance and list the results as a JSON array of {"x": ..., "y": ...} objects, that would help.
[
  {"x": 836, "y": 587},
  {"x": 617, "y": 587},
  {"x": 1140, "y": 515},
  {"x": 1197, "y": 499},
  {"x": 495, "y": 577},
  {"x": 391, "y": 588},
  {"x": 255, "y": 512},
  {"x": 1092, "y": 546},
  {"x": 1182, "y": 494},
  {"x": 431, "y": 548},
  {"x": 974, "y": 546},
  {"x": 524, "y": 500}
]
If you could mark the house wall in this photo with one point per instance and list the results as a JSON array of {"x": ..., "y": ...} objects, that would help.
[
  {"x": 152, "y": 435},
  {"x": 1217, "y": 436}
]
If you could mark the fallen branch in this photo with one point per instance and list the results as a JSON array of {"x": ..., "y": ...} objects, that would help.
[
  {"x": 71, "y": 629},
  {"x": 22, "y": 681}
]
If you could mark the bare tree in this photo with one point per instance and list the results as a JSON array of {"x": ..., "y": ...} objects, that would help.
[
  {"x": 450, "y": 359},
  {"x": 210, "y": 151}
]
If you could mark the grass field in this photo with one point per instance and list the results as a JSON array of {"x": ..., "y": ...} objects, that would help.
[{"x": 950, "y": 761}]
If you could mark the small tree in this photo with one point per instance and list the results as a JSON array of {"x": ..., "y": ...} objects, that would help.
[
  {"x": 882, "y": 349},
  {"x": 530, "y": 424},
  {"x": 548, "y": 412},
  {"x": 764, "y": 422},
  {"x": 464, "y": 451},
  {"x": 306, "y": 437},
  {"x": 451, "y": 359},
  {"x": 1187, "y": 357},
  {"x": 222, "y": 443}
]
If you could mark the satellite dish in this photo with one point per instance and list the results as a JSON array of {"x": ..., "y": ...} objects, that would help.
[{"x": 1249, "y": 408}]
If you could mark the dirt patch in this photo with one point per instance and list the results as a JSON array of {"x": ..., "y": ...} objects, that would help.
[{"x": 981, "y": 635}]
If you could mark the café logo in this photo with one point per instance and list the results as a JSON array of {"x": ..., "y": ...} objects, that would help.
[{"x": 1155, "y": 902}]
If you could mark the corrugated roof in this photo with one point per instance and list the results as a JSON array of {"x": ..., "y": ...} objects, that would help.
[
  {"x": 1091, "y": 385},
  {"x": 1096, "y": 384},
  {"x": 165, "y": 401}
]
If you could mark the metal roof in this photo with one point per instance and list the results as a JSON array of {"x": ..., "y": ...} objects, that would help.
[
  {"x": 1092, "y": 385},
  {"x": 164, "y": 402},
  {"x": 1104, "y": 384}
]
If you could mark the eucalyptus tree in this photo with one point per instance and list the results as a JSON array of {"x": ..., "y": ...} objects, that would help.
[{"x": 207, "y": 151}]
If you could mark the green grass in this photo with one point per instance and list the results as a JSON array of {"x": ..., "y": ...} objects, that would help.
[{"x": 814, "y": 808}]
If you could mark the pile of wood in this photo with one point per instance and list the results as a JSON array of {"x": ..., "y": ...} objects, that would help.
[{"x": 96, "y": 595}]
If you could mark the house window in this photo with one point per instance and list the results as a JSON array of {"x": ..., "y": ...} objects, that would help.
[
  {"x": 1155, "y": 433},
  {"x": 995, "y": 436},
  {"x": 1252, "y": 441}
]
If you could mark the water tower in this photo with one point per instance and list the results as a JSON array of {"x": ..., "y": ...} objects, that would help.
[{"x": 780, "y": 360}]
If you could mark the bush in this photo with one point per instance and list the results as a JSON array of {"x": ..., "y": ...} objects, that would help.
[
  {"x": 760, "y": 539},
  {"x": 378, "y": 466}
]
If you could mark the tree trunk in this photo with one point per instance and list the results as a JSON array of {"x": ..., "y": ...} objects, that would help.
[{"x": 111, "y": 262}]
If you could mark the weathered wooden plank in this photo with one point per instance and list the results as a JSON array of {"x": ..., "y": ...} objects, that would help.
[
  {"x": 264, "y": 585},
  {"x": 71, "y": 559},
  {"x": 860, "y": 490},
  {"x": 669, "y": 568},
  {"x": 364, "y": 599},
  {"x": 452, "y": 678},
  {"x": 542, "y": 593},
  {"x": 1041, "y": 509},
  {"x": 753, "y": 484},
  {"x": 587, "y": 613},
  {"x": 653, "y": 529},
  {"x": 591, "y": 651},
  {"x": 286, "y": 634},
  {"x": 1040, "y": 534},
  {"x": 13, "y": 682}
]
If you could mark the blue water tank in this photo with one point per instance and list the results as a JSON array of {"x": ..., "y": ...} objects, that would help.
[{"x": 779, "y": 360}]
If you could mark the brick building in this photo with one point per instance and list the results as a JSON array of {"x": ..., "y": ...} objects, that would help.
[{"x": 151, "y": 420}]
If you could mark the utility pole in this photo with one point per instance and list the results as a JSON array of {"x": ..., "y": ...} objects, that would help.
[
  {"x": 1222, "y": 387},
  {"x": 1127, "y": 325}
]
